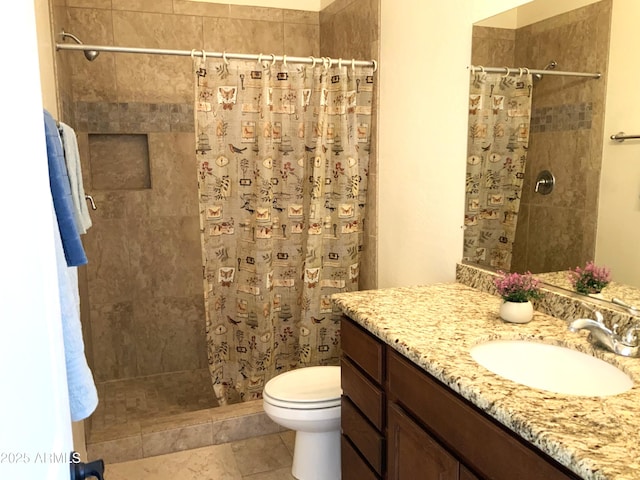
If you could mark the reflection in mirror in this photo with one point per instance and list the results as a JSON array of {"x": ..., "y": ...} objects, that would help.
[
  {"x": 558, "y": 231},
  {"x": 509, "y": 225},
  {"x": 626, "y": 297}
]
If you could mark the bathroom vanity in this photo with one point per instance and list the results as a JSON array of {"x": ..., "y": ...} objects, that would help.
[{"x": 416, "y": 404}]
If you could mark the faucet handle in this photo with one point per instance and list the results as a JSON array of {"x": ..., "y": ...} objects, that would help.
[
  {"x": 595, "y": 311},
  {"x": 630, "y": 337},
  {"x": 614, "y": 328}
]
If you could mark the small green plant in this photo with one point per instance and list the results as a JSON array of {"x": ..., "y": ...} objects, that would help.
[
  {"x": 517, "y": 287},
  {"x": 590, "y": 279}
]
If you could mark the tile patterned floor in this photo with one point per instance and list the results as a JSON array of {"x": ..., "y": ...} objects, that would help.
[
  {"x": 267, "y": 457},
  {"x": 130, "y": 401},
  {"x": 161, "y": 414}
]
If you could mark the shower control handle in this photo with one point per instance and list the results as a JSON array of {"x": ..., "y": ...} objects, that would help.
[{"x": 545, "y": 183}]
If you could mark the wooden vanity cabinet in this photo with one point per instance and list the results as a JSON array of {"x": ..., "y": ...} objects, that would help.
[
  {"x": 400, "y": 423},
  {"x": 363, "y": 403}
]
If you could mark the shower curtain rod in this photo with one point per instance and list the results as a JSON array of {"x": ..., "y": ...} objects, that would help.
[
  {"x": 510, "y": 70},
  {"x": 201, "y": 53}
]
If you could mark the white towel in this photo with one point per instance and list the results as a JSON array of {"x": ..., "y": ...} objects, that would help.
[
  {"x": 83, "y": 396},
  {"x": 72, "y": 159}
]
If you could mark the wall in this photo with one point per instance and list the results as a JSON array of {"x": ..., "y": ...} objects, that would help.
[
  {"x": 45, "y": 57},
  {"x": 34, "y": 410},
  {"x": 531, "y": 12},
  {"x": 423, "y": 80},
  {"x": 144, "y": 276},
  {"x": 351, "y": 29},
  {"x": 50, "y": 101},
  {"x": 557, "y": 231},
  {"x": 619, "y": 208}
]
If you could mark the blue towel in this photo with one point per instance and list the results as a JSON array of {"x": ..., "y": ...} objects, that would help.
[
  {"x": 61, "y": 193},
  {"x": 83, "y": 396}
]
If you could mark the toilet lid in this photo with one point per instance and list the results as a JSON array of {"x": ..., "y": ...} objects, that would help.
[{"x": 306, "y": 385}]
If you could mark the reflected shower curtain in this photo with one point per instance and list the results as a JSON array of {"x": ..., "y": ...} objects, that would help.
[
  {"x": 283, "y": 153},
  {"x": 499, "y": 119}
]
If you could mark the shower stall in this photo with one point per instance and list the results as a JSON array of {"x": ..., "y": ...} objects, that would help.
[{"x": 142, "y": 299}]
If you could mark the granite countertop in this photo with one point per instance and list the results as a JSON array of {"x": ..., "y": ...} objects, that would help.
[{"x": 435, "y": 326}]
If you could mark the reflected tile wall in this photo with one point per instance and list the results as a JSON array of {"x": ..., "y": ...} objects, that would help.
[
  {"x": 351, "y": 29},
  {"x": 493, "y": 47},
  {"x": 557, "y": 231},
  {"x": 566, "y": 139}
]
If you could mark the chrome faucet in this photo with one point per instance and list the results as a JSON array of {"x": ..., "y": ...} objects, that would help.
[{"x": 627, "y": 344}]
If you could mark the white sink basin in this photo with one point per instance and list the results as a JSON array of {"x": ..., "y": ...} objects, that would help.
[{"x": 551, "y": 367}]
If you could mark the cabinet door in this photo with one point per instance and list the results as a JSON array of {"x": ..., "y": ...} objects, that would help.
[
  {"x": 466, "y": 474},
  {"x": 412, "y": 454}
]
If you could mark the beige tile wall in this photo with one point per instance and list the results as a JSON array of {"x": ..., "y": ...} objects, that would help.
[
  {"x": 144, "y": 277},
  {"x": 350, "y": 29},
  {"x": 143, "y": 306},
  {"x": 557, "y": 231}
]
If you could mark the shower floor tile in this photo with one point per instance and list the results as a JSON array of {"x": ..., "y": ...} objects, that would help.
[{"x": 125, "y": 404}]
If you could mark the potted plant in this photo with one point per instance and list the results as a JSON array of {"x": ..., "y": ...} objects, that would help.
[
  {"x": 590, "y": 280},
  {"x": 517, "y": 290}
]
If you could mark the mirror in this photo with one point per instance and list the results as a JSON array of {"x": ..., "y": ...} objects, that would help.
[{"x": 588, "y": 213}]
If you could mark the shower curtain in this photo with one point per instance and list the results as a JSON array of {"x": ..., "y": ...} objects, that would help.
[
  {"x": 499, "y": 119},
  {"x": 283, "y": 153}
]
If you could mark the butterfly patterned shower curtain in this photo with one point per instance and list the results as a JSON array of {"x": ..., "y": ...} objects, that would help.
[
  {"x": 283, "y": 153},
  {"x": 499, "y": 120}
]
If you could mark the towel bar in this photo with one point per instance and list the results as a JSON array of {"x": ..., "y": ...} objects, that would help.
[
  {"x": 93, "y": 204},
  {"x": 621, "y": 137}
]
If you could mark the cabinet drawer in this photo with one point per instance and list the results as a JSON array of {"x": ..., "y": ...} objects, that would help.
[
  {"x": 353, "y": 467},
  {"x": 362, "y": 348},
  {"x": 364, "y": 394},
  {"x": 362, "y": 434},
  {"x": 493, "y": 451}
]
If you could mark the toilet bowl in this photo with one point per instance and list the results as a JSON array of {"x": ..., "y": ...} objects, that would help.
[{"x": 307, "y": 400}]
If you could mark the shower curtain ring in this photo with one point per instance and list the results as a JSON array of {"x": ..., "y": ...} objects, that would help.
[
  {"x": 204, "y": 55},
  {"x": 224, "y": 57},
  {"x": 284, "y": 60},
  {"x": 507, "y": 72},
  {"x": 313, "y": 60},
  {"x": 375, "y": 66},
  {"x": 526, "y": 70},
  {"x": 481, "y": 69},
  {"x": 340, "y": 63},
  {"x": 353, "y": 64},
  {"x": 520, "y": 72},
  {"x": 193, "y": 54},
  {"x": 329, "y": 62},
  {"x": 472, "y": 69},
  {"x": 260, "y": 59},
  {"x": 273, "y": 59}
]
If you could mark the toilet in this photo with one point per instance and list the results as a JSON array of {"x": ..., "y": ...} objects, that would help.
[{"x": 307, "y": 400}]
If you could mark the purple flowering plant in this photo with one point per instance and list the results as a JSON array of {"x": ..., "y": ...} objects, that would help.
[
  {"x": 590, "y": 279},
  {"x": 517, "y": 287}
]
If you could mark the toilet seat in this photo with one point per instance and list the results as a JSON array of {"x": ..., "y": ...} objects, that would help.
[{"x": 305, "y": 388}]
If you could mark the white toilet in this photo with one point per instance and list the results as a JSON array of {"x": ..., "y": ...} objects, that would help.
[{"x": 307, "y": 400}]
